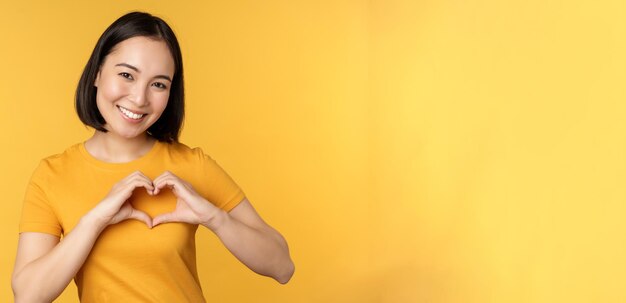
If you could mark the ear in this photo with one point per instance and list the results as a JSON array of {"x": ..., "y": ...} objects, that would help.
[{"x": 95, "y": 83}]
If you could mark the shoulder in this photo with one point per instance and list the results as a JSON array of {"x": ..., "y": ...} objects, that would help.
[
  {"x": 182, "y": 151},
  {"x": 56, "y": 163},
  {"x": 62, "y": 159}
]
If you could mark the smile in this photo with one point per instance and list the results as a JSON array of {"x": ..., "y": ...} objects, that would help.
[{"x": 127, "y": 113}]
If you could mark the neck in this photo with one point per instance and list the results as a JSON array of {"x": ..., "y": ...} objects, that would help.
[{"x": 111, "y": 148}]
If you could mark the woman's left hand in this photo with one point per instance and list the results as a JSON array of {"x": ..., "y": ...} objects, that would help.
[{"x": 190, "y": 206}]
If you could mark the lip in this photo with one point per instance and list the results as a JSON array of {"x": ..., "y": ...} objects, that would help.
[
  {"x": 129, "y": 119},
  {"x": 132, "y": 111}
]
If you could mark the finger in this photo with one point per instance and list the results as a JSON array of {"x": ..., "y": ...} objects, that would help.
[
  {"x": 165, "y": 181},
  {"x": 134, "y": 175},
  {"x": 137, "y": 175},
  {"x": 155, "y": 182},
  {"x": 137, "y": 172},
  {"x": 149, "y": 181},
  {"x": 125, "y": 190},
  {"x": 141, "y": 216},
  {"x": 175, "y": 184},
  {"x": 165, "y": 174},
  {"x": 164, "y": 218},
  {"x": 140, "y": 182}
]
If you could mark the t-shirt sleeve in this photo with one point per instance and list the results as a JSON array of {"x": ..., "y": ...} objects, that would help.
[
  {"x": 221, "y": 189},
  {"x": 37, "y": 213}
]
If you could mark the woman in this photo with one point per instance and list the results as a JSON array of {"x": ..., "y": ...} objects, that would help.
[{"x": 133, "y": 167}]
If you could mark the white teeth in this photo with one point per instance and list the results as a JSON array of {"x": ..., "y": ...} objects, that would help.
[{"x": 129, "y": 114}]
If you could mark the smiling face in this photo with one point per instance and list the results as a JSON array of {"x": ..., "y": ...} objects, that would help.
[{"x": 133, "y": 85}]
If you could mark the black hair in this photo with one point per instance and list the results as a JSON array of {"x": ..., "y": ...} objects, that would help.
[{"x": 167, "y": 128}]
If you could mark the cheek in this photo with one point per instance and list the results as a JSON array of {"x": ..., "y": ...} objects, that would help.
[
  {"x": 111, "y": 90},
  {"x": 159, "y": 101}
]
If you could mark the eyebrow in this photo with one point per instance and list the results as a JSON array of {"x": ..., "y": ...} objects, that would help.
[{"x": 137, "y": 70}]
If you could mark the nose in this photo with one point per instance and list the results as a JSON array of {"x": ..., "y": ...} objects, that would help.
[{"x": 139, "y": 96}]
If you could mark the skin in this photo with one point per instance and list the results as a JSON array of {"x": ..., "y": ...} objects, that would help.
[{"x": 135, "y": 76}]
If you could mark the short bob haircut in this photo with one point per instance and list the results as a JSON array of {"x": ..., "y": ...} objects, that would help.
[{"x": 167, "y": 128}]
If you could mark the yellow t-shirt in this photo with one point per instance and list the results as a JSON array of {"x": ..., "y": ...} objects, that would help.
[{"x": 129, "y": 262}]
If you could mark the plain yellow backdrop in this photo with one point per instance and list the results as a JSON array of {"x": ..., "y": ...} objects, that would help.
[{"x": 409, "y": 151}]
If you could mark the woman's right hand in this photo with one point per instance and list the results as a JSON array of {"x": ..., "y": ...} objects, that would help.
[{"x": 114, "y": 208}]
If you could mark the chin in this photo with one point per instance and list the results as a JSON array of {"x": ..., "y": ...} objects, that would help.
[{"x": 127, "y": 134}]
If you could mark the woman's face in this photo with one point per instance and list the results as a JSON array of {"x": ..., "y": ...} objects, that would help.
[{"x": 134, "y": 85}]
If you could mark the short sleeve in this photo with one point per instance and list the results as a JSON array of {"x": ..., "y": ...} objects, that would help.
[
  {"x": 221, "y": 190},
  {"x": 37, "y": 213}
]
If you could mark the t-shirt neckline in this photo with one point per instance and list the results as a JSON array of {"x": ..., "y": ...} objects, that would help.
[{"x": 122, "y": 165}]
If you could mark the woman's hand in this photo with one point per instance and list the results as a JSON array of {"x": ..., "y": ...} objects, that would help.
[
  {"x": 190, "y": 206},
  {"x": 114, "y": 208}
]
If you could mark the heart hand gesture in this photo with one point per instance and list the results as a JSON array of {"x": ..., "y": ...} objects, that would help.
[
  {"x": 190, "y": 206},
  {"x": 115, "y": 207}
]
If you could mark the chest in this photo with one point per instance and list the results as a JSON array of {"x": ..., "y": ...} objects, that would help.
[{"x": 127, "y": 241}]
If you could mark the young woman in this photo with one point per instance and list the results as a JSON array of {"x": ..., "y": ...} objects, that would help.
[{"x": 133, "y": 167}]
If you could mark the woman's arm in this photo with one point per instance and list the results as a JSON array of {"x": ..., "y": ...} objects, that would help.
[
  {"x": 253, "y": 242},
  {"x": 243, "y": 232},
  {"x": 44, "y": 266}
]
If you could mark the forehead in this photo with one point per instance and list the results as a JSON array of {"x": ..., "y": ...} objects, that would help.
[{"x": 149, "y": 55}]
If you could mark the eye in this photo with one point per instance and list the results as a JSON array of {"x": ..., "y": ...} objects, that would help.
[
  {"x": 126, "y": 75},
  {"x": 159, "y": 85}
]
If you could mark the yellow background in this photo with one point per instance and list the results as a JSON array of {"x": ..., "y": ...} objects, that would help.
[{"x": 409, "y": 151}]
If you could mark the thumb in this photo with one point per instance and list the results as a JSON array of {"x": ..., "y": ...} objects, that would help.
[
  {"x": 164, "y": 218},
  {"x": 141, "y": 216}
]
